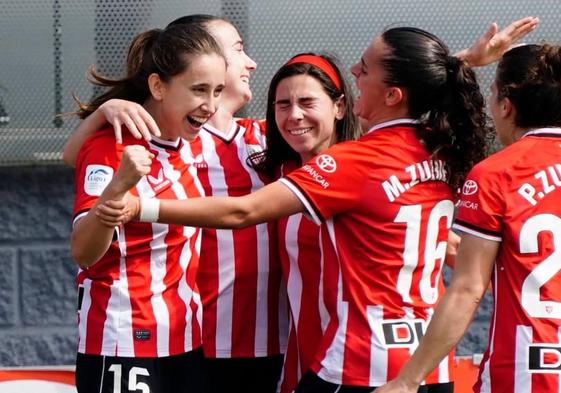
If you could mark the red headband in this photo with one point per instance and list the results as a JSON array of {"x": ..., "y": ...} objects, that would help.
[{"x": 320, "y": 63}]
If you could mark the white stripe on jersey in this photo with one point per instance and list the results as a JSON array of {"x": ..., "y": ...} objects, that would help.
[
  {"x": 379, "y": 371},
  {"x": 294, "y": 284},
  {"x": 283, "y": 313},
  {"x": 323, "y": 313},
  {"x": 158, "y": 268},
  {"x": 120, "y": 300},
  {"x": 195, "y": 294},
  {"x": 485, "y": 378},
  {"x": 226, "y": 269},
  {"x": 332, "y": 364},
  {"x": 262, "y": 306},
  {"x": 473, "y": 232},
  {"x": 522, "y": 378},
  {"x": 262, "y": 233},
  {"x": 84, "y": 311},
  {"x": 186, "y": 292},
  {"x": 158, "y": 257}
]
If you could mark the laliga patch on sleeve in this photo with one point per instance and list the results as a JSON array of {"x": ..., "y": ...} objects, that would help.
[{"x": 97, "y": 178}]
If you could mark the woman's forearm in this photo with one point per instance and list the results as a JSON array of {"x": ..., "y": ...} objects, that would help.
[
  {"x": 90, "y": 238},
  {"x": 269, "y": 203}
]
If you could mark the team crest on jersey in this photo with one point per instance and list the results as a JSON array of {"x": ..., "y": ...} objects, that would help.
[
  {"x": 253, "y": 149},
  {"x": 470, "y": 187},
  {"x": 326, "y": 163},
  {"x": 97, "y": 178},
  {"x": 159, "y": 181}
]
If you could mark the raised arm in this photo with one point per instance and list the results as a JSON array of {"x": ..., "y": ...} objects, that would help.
[
  {"x": 91, "y": 237},
  {"x": 493, "y": 44},
  {"x": 115, "y": 112},
  {"x": 474, "y": 265}
]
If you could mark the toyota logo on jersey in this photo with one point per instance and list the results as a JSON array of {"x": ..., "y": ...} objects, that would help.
[
  {"x": 469, "y": 188},
  {"x": 326, "y": 163}
]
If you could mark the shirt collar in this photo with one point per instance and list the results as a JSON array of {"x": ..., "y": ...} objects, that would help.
[
  {"x": 166, "y": 144},
  {"x": 392, "y": 123},
  {"x": 544, "y": 131}
]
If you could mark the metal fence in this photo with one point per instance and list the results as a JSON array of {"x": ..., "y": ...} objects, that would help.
[{"x": 47, "y": 46}]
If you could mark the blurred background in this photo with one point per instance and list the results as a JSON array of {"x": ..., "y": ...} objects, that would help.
[{"x": 46, "y": 47}]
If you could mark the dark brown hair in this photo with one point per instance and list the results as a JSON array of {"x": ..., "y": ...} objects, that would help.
[
  {"x": 165, "y": 52},
  {"x": 443, "y": 94},
  {"x": 530, "y": 77}
]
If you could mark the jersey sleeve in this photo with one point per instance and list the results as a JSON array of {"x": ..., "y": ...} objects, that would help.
[
  {"x": 96, "y": 163},
  {"x": 480, "y": 209},
  {"x": 331, "y": 182}
]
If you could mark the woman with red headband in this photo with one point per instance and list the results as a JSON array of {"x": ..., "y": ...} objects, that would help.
[{"x": 309, "y": 108}]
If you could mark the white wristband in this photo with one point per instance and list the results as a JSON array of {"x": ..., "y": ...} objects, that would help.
[{"x": 149, "y": 209}]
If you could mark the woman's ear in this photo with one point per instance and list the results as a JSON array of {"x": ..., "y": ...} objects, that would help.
[
  {"x": 506, "y": 109},
  {"x": 156, "y": 86},
  {"x": 340, "y": 107},
  {"x": 394, "y": 96}
]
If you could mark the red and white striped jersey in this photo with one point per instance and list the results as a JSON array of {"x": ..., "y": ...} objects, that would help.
[
  {"x": 140, "y": 299},
  {"x": 310, "y": 284},
  {"x": 386, "y": 209},
  {"x": 513, "y": 197},
  {"x": 244, "y": 299}
]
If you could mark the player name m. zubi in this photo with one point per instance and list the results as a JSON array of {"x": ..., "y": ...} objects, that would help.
[
  {"x": 550, "y": 179},
  {"x": 420, "y": 172}
]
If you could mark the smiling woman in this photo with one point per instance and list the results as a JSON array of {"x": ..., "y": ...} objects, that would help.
[
  {"x": 139, "y": 315},
  {"x": 180, "y": 106}
]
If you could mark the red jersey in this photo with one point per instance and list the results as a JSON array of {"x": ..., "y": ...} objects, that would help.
[
  {"x": 513, "y": 197},
  {"x": 310, "y": 285},
  {"x": 387, "y": 210},
  {"x": 140, "y": 299},
  {"x": 244, "y": 301}
]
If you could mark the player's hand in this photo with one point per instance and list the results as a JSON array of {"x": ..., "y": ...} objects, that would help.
[
  {"x": 397, "y": 386},
  {"x": 114, "y": 213},
  {"x": 135, "y": 163},
  {"x": 137, "y": 120},
  {"x": 493, "y": 44}
]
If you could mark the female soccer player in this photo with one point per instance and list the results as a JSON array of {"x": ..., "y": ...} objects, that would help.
[
  {"x": 309, "y": 108},
  {"x": 244, "y": 307},
  {"x": 140, "y": 311},
  {"x": 510, "y": 217}
]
